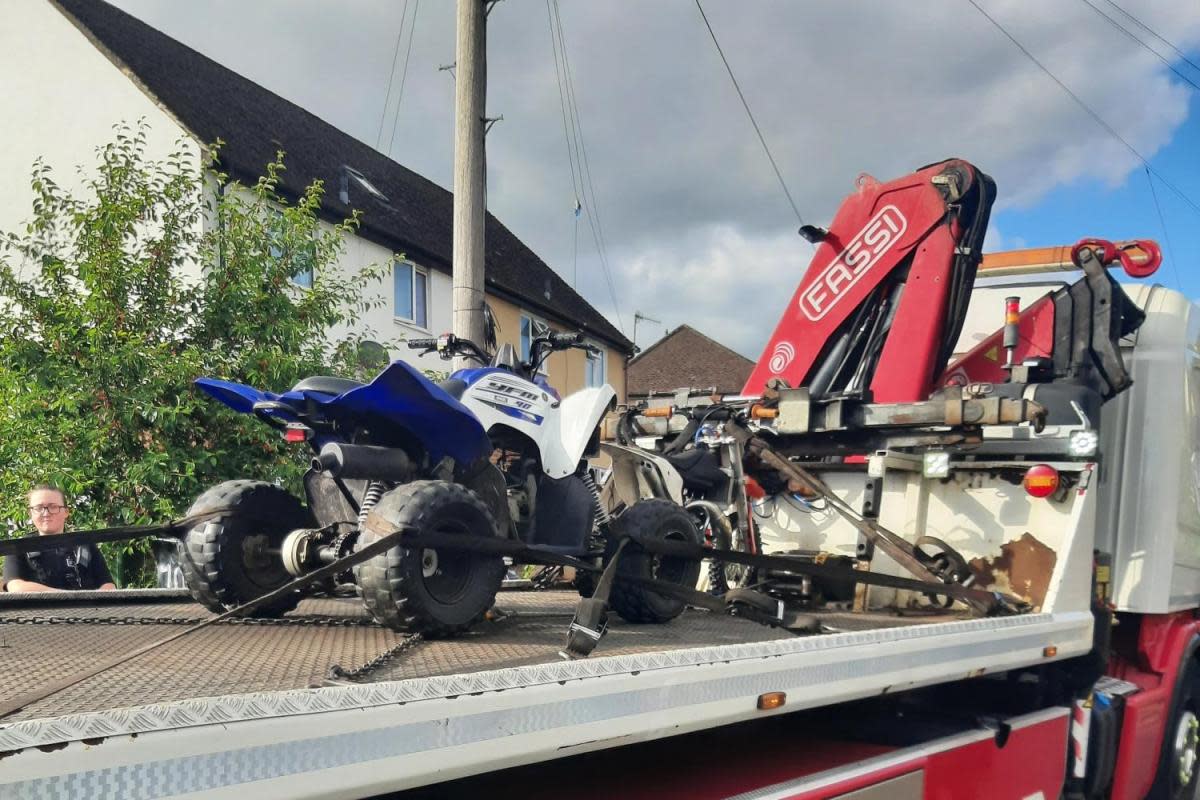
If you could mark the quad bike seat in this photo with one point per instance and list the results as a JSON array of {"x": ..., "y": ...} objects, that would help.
[
  {"x": 326, "y": 385},
  {"x": 699, "y": 468},
  {"x": 453, "y": 387}
]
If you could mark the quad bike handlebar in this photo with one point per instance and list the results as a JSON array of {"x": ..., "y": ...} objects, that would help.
[{"x": 448, "y": 345}]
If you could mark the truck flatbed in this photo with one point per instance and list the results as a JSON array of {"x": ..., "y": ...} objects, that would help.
[{"x": 254, "y": 702}]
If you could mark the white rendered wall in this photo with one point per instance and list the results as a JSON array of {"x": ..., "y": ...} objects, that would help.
[
  {"x": 381, "y": 322},
  {"x": 62, "y": 98}
]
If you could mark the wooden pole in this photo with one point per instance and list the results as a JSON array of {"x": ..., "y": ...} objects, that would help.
[{"x": 470, "y": 94}]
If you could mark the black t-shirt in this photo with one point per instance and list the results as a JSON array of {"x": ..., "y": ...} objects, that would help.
[{"x": 80, "y": 567}]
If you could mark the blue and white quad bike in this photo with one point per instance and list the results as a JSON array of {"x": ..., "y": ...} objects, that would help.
[{"x": 490, "y": 452}]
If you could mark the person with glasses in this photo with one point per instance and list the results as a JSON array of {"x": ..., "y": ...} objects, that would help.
[{"x": 55, "y": 568}]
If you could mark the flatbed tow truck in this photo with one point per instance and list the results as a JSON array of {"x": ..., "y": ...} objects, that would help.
[{"x": 1087, "y": 687}]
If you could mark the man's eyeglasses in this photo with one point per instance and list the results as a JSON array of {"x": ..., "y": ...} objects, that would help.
[{"x": 51, "y": 509}]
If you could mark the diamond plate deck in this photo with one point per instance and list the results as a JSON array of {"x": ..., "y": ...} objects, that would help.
[{"x": 42, "y": 642}]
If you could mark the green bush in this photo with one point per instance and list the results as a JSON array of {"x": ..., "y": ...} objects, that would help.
[{"x": 115, "y": 298}]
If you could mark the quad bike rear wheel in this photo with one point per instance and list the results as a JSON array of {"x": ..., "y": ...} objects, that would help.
[
  {"x": 233, "y": 559},
  {"x": 432, "y": 592},
  {"x": 654, "y": 519}
]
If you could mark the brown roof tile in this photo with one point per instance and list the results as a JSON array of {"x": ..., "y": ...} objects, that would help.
[{"x": 686, "y": 358}]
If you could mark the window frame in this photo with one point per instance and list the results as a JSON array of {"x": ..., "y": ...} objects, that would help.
[
  {"x": 522, "y": 351},
  {"x": 415, "y": 270},
  {"x": 601, "y": 359}
]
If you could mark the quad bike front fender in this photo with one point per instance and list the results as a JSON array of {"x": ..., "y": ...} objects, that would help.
[{"x": 580, "y": 415}]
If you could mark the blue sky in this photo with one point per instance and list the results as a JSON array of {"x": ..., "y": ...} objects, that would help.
[{"x": 1092, "y": 208}]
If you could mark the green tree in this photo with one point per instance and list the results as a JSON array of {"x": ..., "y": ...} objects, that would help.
[{"x": 115, "y": 298}]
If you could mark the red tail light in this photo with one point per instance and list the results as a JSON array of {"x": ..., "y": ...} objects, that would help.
[
  {"x": 1041, "y": 480},
  {"x": 297, "y": 433}
]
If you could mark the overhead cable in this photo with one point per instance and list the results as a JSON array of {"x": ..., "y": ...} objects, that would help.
[
  {"x": 387, "y": 100},
  {"x": 412, "y": 27},
  {"x": 562, "y": 101},
  {"x": 1079, "y": 101},
  {"x": 750, "y": 114},
  {"x": 1152, "y": 32},
  {"x": 588, "y": 195},
  {"x": 1145, "y": 46},
  {"x": 1166, "y": 236}
]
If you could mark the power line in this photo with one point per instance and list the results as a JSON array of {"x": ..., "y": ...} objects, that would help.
[
  {"x": 1166, "y": 236},
  {"x": 1145, "y": 46},
  {"x": 1099, "y": 120},
  {"x": 585, "y": 172},
  {"x": 391, "y": 76},
  {"x": 412, "y": 28},
  {"x": 562, "y": 102},
  {"x": 1155, "y": 34},
  {"x": 749, "y": 114}
]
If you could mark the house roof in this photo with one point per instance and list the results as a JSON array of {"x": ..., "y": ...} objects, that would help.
[
  {"x": 686, "y": 358},
  {"x": 213, "y": 102}
]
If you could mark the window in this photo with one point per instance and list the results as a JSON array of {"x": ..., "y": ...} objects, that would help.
[
  {"x": 594, "y": 369},
  {"x": 531, "y": 328},
  {"x": 302, "y": 260},
  {"x": 304, "y": 278},
  {"x": 412, "y": 293}
]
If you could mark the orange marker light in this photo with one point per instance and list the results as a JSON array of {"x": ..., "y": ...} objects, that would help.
[
  {"x": 771, "y": 700},
  {"x": 658, "y": 411},
  {"x": 1041, "y": 480}
]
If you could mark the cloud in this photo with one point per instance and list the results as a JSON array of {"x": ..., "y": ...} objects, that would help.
[
  {"x": 696, "y": 226},
  {"x": 730, "y": 286}
]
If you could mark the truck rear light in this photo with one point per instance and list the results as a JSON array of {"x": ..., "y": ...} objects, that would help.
[
  {"x": 1083, "y": 443},
  {"x": 1041, "y": 480},
  {"x": 936, "y": 465}
]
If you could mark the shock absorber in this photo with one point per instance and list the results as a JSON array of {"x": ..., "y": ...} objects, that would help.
[
  {"x": 370, "y": 498},
  {"x": 601, "y": 513}
]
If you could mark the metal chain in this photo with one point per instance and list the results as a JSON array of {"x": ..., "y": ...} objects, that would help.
[
  {"x": 336, "y": 672},
  {"x": 328, "y": 622}
]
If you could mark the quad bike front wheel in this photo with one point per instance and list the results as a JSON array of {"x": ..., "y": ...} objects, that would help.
[
  {"x": 233, "y": 558},
  {"x": 422, "y": 590},
  {"x": 662, "y": 520}
]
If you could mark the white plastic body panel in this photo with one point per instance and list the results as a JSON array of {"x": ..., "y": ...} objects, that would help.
[
  {"x": 1148, "y": 477},
  {"x": 1150, "y": 451},
  {"x": 560, "y": 429}
]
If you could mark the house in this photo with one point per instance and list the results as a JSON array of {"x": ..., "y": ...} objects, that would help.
[
  {"x": 72, "y": 69},
  {"x": 687, "y": 359}
]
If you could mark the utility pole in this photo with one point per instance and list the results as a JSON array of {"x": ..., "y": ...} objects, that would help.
[{"x": 470, "y": 95}]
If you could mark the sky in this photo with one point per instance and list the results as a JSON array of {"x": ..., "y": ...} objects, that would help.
[{"x": 691, "y": 216}]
